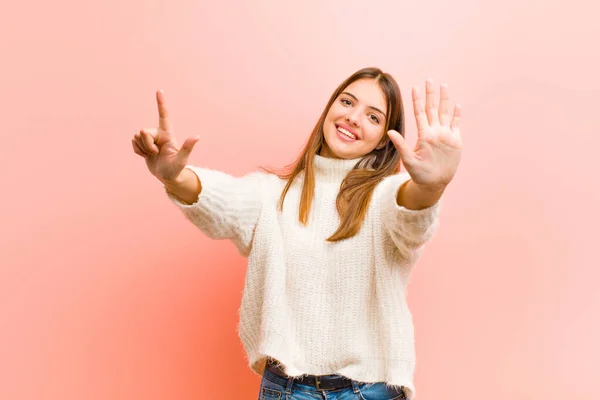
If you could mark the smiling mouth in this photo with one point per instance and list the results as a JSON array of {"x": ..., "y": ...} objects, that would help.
[{"x": 345, "y": 132}]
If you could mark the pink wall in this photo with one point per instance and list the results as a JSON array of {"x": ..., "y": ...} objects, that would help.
[{"x": 106, "y": 292}]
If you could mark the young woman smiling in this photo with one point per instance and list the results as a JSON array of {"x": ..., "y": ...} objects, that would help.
[{"x": 330, "y": 242}]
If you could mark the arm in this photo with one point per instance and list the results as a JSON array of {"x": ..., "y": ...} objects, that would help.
[
  {"x": 409, "y": 225},
  {"x": 226, "y": 207},
  {"x": 411, "y": 200},
  {"x": 222, "y": 206}
]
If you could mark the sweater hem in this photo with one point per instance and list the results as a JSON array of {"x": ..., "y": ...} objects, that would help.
[{"x": 398, "y": 377}]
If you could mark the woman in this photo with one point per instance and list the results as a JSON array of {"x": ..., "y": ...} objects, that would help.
[{"x": 331, "y": 242}]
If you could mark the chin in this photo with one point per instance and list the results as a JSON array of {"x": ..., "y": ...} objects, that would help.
[
  {"x": 343, "y": 152},
  {"x": 338, "y": 149}
]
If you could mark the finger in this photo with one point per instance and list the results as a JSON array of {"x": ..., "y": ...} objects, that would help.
[
  {"x": 456, "y": 118},
  {"x": 140, "y": 142},
  {"x": 148, "y": 141},
  {"x": 151, "y": 131},
  {"x": 186, "y": 150},
  {"x": 430, "y": 106},
  {"x": 163, "y": 114},
  {"x": 444, "y": 112},
  {"x": 420, "y": 115},
  {"x": 136, "y": 149},
  {"x": 400, "y": 143}
]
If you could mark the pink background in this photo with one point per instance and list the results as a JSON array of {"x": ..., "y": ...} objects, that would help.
[{"x": 107, "y": 292}]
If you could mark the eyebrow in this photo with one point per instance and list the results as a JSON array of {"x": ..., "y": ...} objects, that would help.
[{"x": 374, "y": 108}]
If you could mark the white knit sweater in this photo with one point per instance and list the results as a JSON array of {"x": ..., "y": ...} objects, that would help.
[{"x": 319, "y": 307}]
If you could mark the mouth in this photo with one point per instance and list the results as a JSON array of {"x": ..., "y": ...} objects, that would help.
[{"x": 346, "y": 132}]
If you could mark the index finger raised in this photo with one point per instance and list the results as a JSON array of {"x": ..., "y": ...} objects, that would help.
[{"x": 163, "y": 115}]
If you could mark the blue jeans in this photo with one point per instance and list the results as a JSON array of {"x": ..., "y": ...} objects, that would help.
[{"x": 273, "y": 387}]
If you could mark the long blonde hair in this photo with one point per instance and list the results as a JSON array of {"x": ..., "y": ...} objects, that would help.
[{"x": 357, "y": 187}]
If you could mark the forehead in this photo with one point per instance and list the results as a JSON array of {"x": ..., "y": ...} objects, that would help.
[{"x": 369, "y": 92}]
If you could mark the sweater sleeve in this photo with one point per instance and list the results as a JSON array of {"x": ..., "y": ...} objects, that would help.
[
  {"x": 408, "y": 229},
  {"x": 227, "y": 207}
]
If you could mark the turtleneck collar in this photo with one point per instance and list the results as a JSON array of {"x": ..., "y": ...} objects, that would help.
[{"x": 332, "y": 169}]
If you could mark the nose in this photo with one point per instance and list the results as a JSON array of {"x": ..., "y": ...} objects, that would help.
[{"x": 352, "y": 118}]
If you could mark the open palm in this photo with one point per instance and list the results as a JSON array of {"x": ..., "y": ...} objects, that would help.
[{"x": 434, "y": 160}]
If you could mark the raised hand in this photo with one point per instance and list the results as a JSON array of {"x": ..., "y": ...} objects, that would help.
[
  {"x": 164, "y": 158},
  {"x": 434, "y": 160}
]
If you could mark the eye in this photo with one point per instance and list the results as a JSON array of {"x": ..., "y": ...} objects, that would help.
[
  {"x": 346, "y": 102},
  {"x": 374, "y": 118}
]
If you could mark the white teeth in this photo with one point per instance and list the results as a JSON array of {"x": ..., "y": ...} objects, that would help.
[{"x": 345, "y": 132}]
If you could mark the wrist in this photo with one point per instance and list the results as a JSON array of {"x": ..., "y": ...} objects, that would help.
[
  {"x": 415, "y": 196},
  {"x": 435, "y": 189},
  {"x": 177, "y": 181},
  {"x": 186, "y": 186}
]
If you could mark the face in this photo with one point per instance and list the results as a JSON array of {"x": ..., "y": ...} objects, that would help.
[{"x": 355, "y": 123}]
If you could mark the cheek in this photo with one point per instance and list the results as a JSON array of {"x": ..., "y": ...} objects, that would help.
[
  {"x": 373, "y": 134},
  {"x": 334, "y": 112},
  {"x": 330, "y": 119}
]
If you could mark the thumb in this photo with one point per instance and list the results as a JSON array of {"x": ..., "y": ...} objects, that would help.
[
  {"x": 400, "y": 143},
  {"x": 186, "y": 149}
]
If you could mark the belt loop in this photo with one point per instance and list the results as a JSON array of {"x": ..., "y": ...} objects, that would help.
[
  {"x": 355, "y": 387},
  {"x": 288, "y": 387}
]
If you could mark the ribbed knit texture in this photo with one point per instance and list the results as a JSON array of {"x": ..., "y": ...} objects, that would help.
[{"x": 318, "y": 307}]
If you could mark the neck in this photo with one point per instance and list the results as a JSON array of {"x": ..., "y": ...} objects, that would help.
[{"x": 332, "y": 169}]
